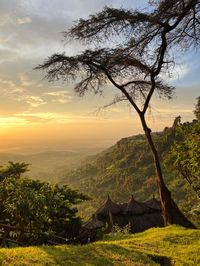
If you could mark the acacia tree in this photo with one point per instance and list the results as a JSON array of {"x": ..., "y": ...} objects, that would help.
[{"x": 130, "y": 49}]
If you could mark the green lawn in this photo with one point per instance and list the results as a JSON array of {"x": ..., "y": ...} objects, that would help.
[{"x": 172, "y": 245}]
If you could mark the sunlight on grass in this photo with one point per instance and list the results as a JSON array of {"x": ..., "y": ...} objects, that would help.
[{"x": 174, "y": 244}]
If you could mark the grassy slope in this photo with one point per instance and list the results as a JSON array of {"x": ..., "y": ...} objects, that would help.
[{"x": 179, "y": 245}]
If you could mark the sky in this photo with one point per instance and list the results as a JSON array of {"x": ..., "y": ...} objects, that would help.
[{"x": 36, "y": 115}]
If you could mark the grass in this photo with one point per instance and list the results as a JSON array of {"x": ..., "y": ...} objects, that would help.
[{"x": 172, "y": 245}]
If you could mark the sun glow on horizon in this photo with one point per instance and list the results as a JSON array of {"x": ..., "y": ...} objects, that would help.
[
  {"x": 10, "y": 122},
  {"x": 34, "y": 111}
]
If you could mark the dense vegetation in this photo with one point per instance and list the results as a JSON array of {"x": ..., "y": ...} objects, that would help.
[
  {"x": 36, "y": 211},
  {"x": 127, "y": 168},
  {"x": 184, "y": 156},
  {"x": 167, "y": 246}
]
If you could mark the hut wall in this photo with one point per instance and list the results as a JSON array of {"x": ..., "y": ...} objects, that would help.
[
  {"x": 140, "y": 223},
  {"x": 120, "y": 220}
]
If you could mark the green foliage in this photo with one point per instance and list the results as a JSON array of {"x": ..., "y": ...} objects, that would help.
[
  {"x": 38, "y": 207},
  {"x": 119, "y": 231},
  {"x": 164, "y": 246},
  {"x": 197, "y": 109},
  {"x": 121, "y": 170},
  {"x": 184, "y": 156},
  {"x": 13, "y": 170}
]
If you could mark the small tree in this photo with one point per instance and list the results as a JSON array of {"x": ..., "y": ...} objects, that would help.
[
  {"x": 142, "y": 44},
  {"x": 14, "y": 170},
  {"x": 197, "y": 109},
  {"x": 184, "y": 156},
  {"x": 39, "y": 208}
]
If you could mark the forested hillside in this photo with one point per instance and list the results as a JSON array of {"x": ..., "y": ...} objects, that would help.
[{"x": 127, "y": 168}]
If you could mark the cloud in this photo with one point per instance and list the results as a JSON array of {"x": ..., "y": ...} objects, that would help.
[
  {"x": 35, "y": 117},
  {"x": 5, "y": 19},
  {"x": 5, "y": 39},
  {"x": 45, "y": 117},
  {"x": 116, "y": 110},
  {"x": 174, "y": 110},
  {"x": 30, "y": 32},
  {"x": 25, "y": 20},
  {"x": 25, "y": 81},
  {"x": 43, "y": 23},
  {"x": 9, "y": 6},
  {"x": 59, "y": 96},
  {"x": 57, "y": 117},
  {"x": 7, "y": 55},
  {"x": 21, "y": 92},
  {"x": 6, "y": 84},
  {"x": 33, "y": 101},
  {"x": 10, "y": 121}
]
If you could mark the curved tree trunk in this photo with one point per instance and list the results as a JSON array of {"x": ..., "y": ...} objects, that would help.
[{"x": 170, "y": 211}]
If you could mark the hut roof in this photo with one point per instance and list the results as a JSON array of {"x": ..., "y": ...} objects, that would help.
[
  {"x": 153, "y": 204},
  {"x": 135, "y": 207},
  {"x": 108, "y": 207},
  {"x": 123, "y": 207},
  {"x": 92, "y": 224}
]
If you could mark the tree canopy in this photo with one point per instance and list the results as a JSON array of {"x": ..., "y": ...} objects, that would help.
[
  {"x": 13, "y": 170},
  {"x": 130, "y": 50},
  {"x": 142, "y": 48},
  {"x": 184, "y": 156},
  {"x": 197, "y": 109},
  {"x": 38, "y": 208}
]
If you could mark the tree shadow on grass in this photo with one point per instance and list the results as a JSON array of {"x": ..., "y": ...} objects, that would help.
[{"x": 98, "y": 254}]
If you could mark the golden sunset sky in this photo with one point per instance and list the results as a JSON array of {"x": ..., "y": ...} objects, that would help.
[{"x": 36, "y": 115}]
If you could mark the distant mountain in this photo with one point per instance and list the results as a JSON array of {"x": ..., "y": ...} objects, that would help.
[
  {"x": 46, "y": 165},
  {"x": 127, "y": 168}
]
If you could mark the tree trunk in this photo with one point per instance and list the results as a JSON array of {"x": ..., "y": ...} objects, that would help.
[{"x": 170, "y": 211}]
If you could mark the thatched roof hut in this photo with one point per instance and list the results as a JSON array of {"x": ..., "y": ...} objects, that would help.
[
  {"x": 108, "y": 207},
  {"x": 93, "y": 224},
  {"x": 136, "y": 208},
  {"x": 123, "y": 207},
  {"x": 153, "y": 204},
  {"x": 140, "y": 223},
  {"x": 89, "y": 231}
]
